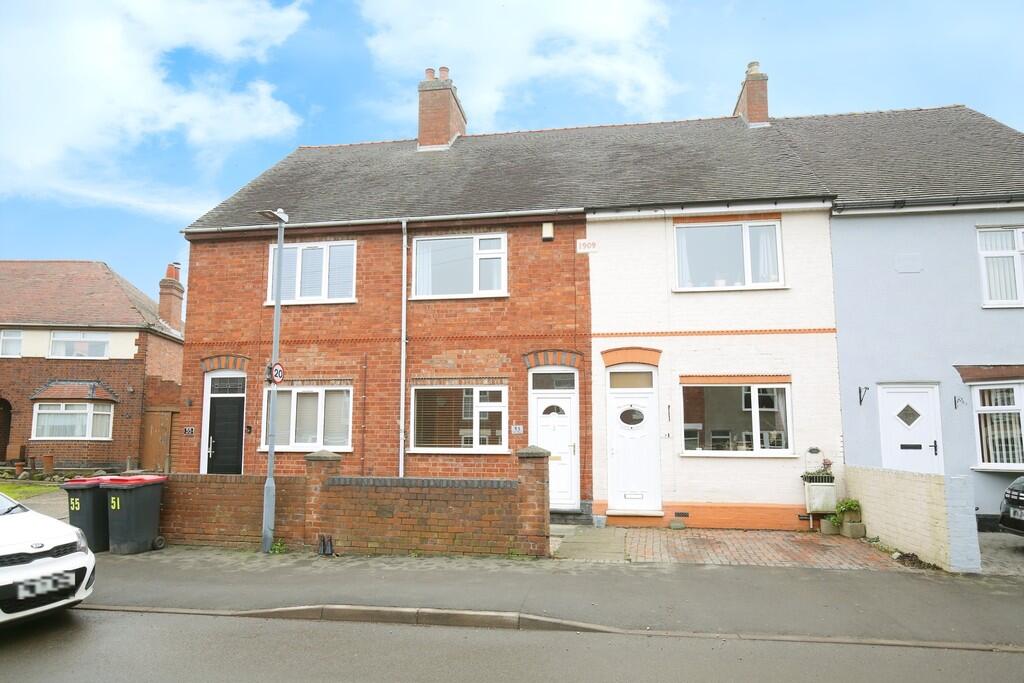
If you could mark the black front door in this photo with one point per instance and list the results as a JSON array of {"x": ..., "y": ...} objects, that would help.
[{"x": 224, "y": 448}]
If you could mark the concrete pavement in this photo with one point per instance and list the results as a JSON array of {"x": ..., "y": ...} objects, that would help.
[
  {"x": 905, "y": 605},
  {"x": 101, "y": 646}
]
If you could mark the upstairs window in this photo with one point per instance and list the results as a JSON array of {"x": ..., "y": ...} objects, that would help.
[
  {"x": 1002, "y": 275},
  {"x": 728, "y": 256},
  {"x": 10, "y": 343},
  {"x": 315, "y": 273},
  {"x": 998, "y": 409},
  {"x": 80, "y": 345},
  {"x": 78, "y": 421},
  {"x": 463, "y": 266}
]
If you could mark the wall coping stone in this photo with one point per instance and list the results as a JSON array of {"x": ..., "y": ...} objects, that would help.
[
  {"x": 532, "y": 452},
  {"x": 324, "y": 456},
  {"x": 423, "y": 482}
]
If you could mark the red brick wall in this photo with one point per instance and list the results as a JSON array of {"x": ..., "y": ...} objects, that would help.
[
  {"x": 163, "y": 358},
  {"x": 548, "y": 308},
  {"x": 371, "y": 515}
]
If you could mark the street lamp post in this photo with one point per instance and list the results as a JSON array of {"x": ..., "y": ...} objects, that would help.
[{"x": 269, "y": 488}]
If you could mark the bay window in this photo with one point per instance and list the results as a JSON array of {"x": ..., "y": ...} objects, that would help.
[
  {"x": 310, "y": 418},
  {"x": 79, "y": 344},
  {"x": 447, "y": 419},
  {"x": 997, "y": 410},
  {"x": 72, "y": 421},
  {"x": 1001, "y": 251},
  {"x": 726, "y": 418},
  {"x": 315, "y": 273},
  {"x": 460, "y": 266},
  {"x": 728, "y": 256}
]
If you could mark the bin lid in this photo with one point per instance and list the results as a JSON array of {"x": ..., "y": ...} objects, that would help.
[
  {"x": 131, "y": 482},
  {"x": 82, "y": 483}
]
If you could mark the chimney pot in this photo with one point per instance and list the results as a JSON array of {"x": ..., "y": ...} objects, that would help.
[
  {"x": 429, "y": 75},
  {"x": 443, "y": 73},
  {"x": 173, "y": 271},
  {"x": 754, "y": 68}
]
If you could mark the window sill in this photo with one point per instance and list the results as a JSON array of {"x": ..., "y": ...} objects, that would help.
[
  {"x": 67, "y": 438},
  {"x": 1020, "y": 305},
  {"x": 1009, "y": 468},
  {"x": 488, "y": 295},
  {"x": 304, "y": 449},
  {"x": 78, "y": 358},
  {"x": 457, "y": 451},
  {"x": 730, "y": 288},
  {"x": 314, "y": 302},
  {"x": 10, "y": 356},
  {"x": 754, "y": 455}
]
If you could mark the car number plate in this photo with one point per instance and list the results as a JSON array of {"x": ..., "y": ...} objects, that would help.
[
  {"x": 1017, "y": 513},
  {"x": 46, "y": 584}
]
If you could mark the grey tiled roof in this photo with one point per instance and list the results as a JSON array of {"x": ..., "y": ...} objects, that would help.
[
  {"x": 915, "y": 155},
  {"x": 601, "y": 166}
]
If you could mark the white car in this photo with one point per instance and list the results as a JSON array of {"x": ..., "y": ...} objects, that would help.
[{"x": 45, "y": 564}]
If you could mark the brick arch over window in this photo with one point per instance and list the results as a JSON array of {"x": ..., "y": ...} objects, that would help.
[
  {"x": 571, "y": 359},
  {"x": 227, "y": 361},
  {"x": 631, "y": 354}
]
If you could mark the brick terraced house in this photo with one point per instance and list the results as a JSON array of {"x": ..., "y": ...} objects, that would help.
[
  {"x": 90, "y": 367},
  {"x": 651, "y": 303}
]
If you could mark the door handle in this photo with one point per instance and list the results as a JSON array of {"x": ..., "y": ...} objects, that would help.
[
  {"x": 935, "y": 446},
  {"x": 572, "y": 448},
  {"x": 209, "y": 449}
]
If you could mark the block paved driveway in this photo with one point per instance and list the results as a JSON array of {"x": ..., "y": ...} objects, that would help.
[{"x": 718, "y": 547}]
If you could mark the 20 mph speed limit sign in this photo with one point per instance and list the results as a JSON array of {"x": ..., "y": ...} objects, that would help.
[{"x": 276, "y": 373}]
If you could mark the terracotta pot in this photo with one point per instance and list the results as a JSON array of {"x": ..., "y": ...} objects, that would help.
[
  {"x": 48, "y": 464},
  {"x": 19, "y": 467}
]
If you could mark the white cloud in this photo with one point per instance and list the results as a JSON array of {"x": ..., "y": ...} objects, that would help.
[
  {"x": 86, "y": 83},
  {"x": 497, "y": 49}
]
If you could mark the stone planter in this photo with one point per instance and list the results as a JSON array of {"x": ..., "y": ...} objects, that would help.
[
  {"x": 854, "y": 530},
  {"x": 19, "y": 467},
  {"x": 828, "y": 528},
  {"x": 852, "y": 516}
]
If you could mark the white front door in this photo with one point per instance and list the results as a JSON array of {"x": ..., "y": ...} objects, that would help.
[
  {"x": 910, "y": 426},
  {"x": 555, "y": 424},
  {"x": 634, "y": 470}
]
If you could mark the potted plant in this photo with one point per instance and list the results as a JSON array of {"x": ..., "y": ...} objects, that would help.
[
  {"x": 848, "y": 510},
  {"x": 830, "y": 525}
]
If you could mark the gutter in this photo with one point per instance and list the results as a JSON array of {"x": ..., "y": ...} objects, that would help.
[
  {"x": 390, "y": 221},
  {"x": 947, "y": 203}
]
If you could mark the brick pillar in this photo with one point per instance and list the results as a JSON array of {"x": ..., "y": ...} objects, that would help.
[
  {"x": 320, "y": 466},
  {"x": 534, "y": 508}
]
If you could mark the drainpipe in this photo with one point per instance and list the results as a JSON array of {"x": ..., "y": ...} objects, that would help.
[{"x": 403, "y": 344}]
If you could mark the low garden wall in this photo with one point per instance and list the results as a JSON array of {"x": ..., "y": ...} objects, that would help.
[{"x": 369, "y": 515}]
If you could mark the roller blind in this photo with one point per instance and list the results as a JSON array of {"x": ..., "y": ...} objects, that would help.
[
  {"x": 336, "y": 418},
  {"x": 341, "y": 272},
  {"x": 306, "y": 406}
]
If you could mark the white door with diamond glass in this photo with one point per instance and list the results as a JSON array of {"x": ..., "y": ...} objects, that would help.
[
  {"x": 910, "y": 427},
  {"x": 554, "y": 426},
  {"x": 634, "y": 470}
]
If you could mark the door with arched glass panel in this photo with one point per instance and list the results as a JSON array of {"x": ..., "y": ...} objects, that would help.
[{"x": 554, "y": 426}]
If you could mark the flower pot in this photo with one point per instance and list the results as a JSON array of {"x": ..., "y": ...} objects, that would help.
[
  {"x": 828, "y": 528},
  {"x": 19, "y": 467},
  {"x": 852, "y": 516}
]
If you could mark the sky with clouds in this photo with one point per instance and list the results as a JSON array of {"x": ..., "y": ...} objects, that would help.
[{"x": 124, "y": 120}]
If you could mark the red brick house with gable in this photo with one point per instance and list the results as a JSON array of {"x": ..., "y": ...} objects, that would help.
[{"x": 90, "y": 367}]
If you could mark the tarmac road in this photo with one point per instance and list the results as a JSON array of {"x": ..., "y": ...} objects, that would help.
[{"x": 80, "y": 646}]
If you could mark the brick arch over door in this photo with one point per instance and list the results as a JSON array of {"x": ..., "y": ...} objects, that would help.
[
  {"x": 227, "y": 361},
  {"x": 631, "y": 354},
  {"x": 570, "y": 359}
]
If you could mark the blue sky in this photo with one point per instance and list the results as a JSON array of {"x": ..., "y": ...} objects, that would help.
[{"x": 123, "y": 121}]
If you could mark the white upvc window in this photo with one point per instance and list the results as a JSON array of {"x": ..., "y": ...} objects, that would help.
[
  {"x": 310, "y": 418},
  {"x": 94, "y": 345},
  {"x": 10, "y": 343},
  {"x": 315, "y": 273},
  {"x": 72, "y": 421},
  {"x": 453, "y": 419},
  {"x": 721, "y": 419},
  {"x": 460, "y": 266},
  {"x": 1001, "y": 251},
  {"x": 998, "y": 410},
  {"x": 727, "y": 256}
]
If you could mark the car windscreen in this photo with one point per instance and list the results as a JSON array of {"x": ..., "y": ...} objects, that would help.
[{"x": 7, "y": 504}]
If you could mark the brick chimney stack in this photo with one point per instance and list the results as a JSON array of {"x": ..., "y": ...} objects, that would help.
[
  {"x": 171, "y": 294},
  {"x": 752, "y": 104},
  {"x": 441, "y": 116}
]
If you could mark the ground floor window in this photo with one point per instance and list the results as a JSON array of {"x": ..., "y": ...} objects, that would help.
[
  {"x": 310, "y": 418},
  {"x": 726, "y": 418},
  {"x": 451, "y": 418},
  {"x": 72, "y": 421},
  {"x": 998, "y": 412}
]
